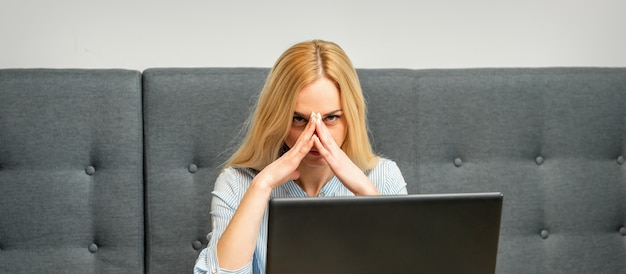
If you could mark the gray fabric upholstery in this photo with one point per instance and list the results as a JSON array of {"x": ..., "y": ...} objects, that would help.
[
  {"x": 71, "y": 182},
  {"x": 553, "y": 140},
  {"x": 192, "y": 118},
  {"x": 549, "y": 139}
]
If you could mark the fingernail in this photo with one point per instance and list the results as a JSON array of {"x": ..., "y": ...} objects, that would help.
[
  {"x": 312, "y": 117},
  {"x": 319, "y": 118}
]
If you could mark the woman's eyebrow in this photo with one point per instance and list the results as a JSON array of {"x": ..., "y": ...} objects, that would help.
[
  {"x": 333, "y": 112},
  {"x": 295, "y": 113}
]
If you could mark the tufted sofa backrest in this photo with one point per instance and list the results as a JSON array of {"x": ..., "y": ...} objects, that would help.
[
  {"x": 71, "y": 171},
  {"x": 552, "y": 140},
  {"x": 91, "y": 161},
  {"x": 192, "y": 120}
]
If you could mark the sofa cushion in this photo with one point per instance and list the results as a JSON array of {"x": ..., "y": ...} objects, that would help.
[
  {"x": 71, "y": 193},
  {"x": 193, "y": 118},
  {"x": 550, "y": 139}
]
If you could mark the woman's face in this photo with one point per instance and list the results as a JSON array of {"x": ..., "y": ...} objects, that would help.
[{"x": 320, "y": 96}]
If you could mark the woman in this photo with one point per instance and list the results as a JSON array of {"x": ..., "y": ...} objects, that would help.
[{"x": 307, "y": 137}]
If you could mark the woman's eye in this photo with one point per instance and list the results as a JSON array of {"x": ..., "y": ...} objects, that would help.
[
  {"x": 297, "y": 120},
  {"x": 332, "y": 118}
]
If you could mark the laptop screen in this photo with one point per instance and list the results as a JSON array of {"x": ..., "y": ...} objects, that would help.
[{"x": 434, "y": 233}]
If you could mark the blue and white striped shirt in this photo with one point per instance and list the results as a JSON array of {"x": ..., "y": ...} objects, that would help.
[{"x": 231, "y": 185}]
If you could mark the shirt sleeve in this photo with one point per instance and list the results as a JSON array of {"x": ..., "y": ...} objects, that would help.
[
  {"x": 394, "y": 181},
  {"x": 225, "y": 200}
]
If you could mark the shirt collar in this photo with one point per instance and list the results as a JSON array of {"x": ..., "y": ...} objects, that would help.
[{"x": 291, "y": 189}]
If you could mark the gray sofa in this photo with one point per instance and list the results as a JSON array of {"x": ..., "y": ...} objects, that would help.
[{"x": 110, "y": 171}]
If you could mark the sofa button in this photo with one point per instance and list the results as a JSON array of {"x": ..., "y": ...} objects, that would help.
[
  {"x": 90, "y": 170},
  {"x": 544, "y": 234},
  {"x": 192, "y": 168},
  {"x": 458, "y": 162},
  {"x": 622, "y": 231},
  {"x": 93, "y": 248},
  {"x": 197, "y": 245},
  {"x": 620, "y": 159},
  {"x": 539, "y": 160}
]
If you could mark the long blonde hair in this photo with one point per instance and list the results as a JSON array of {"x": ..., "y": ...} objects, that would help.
[{"x": 271, "y": 120}]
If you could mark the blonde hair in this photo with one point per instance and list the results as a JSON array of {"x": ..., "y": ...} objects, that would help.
[{"x": 271, "y": 120}]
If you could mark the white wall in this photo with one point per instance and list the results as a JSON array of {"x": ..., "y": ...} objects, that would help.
[{"x": 137, "y": 34}]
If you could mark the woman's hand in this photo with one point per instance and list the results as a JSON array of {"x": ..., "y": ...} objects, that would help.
[
  {"x": 236, "y": 246},
  {"x": 341, "y": 165},
  {"x": 285, "y": 167}
]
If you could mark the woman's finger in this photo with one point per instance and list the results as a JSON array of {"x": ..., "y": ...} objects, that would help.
[
  {"x": 305, "y": 142},
  {"x": 324, "y": 135}
]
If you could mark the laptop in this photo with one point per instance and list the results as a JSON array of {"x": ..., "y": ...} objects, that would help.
[{"x": 427, "y": 233}]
